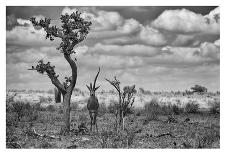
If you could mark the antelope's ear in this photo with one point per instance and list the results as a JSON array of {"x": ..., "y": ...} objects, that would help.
[
  {"x": 97, "y": 88},
  {"x": 88, "y": 87}
]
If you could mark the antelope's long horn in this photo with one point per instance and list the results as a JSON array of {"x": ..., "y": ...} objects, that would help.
[
  {"x": 91, "y": 86},
  {"x": 96, "y": 78}
]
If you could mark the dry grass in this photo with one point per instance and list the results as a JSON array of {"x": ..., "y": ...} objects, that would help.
[{"x": 201, "y": 130}]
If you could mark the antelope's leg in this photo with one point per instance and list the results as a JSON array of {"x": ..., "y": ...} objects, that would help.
[
  {"x": 96, "y": 127},
  {"x": 96, "y": 121},
  {"x": 90, "y": 114}
]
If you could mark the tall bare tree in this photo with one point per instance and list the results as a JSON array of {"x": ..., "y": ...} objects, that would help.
[
  {"x": 74, "y": 30},
  {"x": 126, "y": 100}
]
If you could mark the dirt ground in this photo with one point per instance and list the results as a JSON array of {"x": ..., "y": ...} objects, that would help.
[{"x": 200, "y": 130}]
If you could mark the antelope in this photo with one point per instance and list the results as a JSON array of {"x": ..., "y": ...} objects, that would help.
[{"x": 92, "y": 104}]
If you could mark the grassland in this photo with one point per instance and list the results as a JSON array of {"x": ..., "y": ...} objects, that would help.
[{"x": 158, "y": 121}]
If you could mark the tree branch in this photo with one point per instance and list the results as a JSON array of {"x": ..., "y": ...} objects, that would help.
[
  {"x": 41, "y": 67},
  {"x": 115, "y": 84}
]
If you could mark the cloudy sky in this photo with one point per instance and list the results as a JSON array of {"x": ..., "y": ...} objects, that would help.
[{"x": 157, "y": 48}]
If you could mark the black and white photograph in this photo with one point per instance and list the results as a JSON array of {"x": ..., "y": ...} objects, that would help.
[{"x": 112, "y": 77}]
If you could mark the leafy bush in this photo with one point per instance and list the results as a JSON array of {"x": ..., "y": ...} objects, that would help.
[
  {"x": 112, "y": 107},
  {"x": 21, "y": 109},
  {"x": 38, "y": 107},
  {"x": 24, "y": 111},
  {"x": 50, "y": 108},
  {"x": 102, "y": 109},
  {"x": 214, "y": 107},
  {"x": 171, "y": 109},
  {"x": 74, "y": 106},
  {"x": 84, "y": 109},
  {"x": 83, "y": 118},
  {"x": 11, "y": 119},
  {"x": 177, "y": 110},
  {"x": 199, "y": 89},
  {"x": 152, "y": 110},
  {"x": 192, "y": 107},
  {"x": 43, "y": 99}
]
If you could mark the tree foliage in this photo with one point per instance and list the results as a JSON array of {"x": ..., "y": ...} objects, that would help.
[
  {"x": 199, "y": 89},
  {"x": 74, "y": 30}
]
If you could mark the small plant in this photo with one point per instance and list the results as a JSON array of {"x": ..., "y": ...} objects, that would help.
[
  {"x": 21, "y": 109},
  {"x": 46, "y": 145},
  {"x": 126, "y": 100},
  {"x": 152, "y": 110},
  {"x": 192, "y": 107},
  {"x": 43, "y": 99},
  {"x": 38, "y": 107},
  {"x": 104, "y": 137},
  {"x": 11, "y": 119},
  {"x": 214, "y": 107},
  {"x": 102, "y": 109},
  {"x": 74, "y": 106},
  {"x": 50, "y": 108},
  {"x": 208, "y": 137},
  {"x": 83, "y": 118},
  {"x": 177, "y": 110}
]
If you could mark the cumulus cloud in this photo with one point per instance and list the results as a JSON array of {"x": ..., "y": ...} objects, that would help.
[
  {"x": 214, "y": 15},
  {"x": 210, "y": 50},
  {"x": 111, "y": 25},
  {"x": 11, "y": 21},
  {"x": 185, "y": 21},
  {"x": 125, "y": 50},
  {"x": 185, "y": 40},
  {"x": 26, "y": 34},
  {"x": 152, "y": 36},
  {"x": 206, "y": 53},
  {"x": 176, "y": 47},
  {"x": 217, "y": 42}
]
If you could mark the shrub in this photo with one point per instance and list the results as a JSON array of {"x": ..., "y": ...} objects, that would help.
[
  {"x": 152, "y": 110},
  {"x": 171, "y": 109},
  {"x": 11, "y": 119},
  {"x": 112, "y": 107},
  {"x": 214, "y": 107},
  {"x": 177, "y": 110},
  {"x": 83, "y": 117},
  {"x": 50, "y": 108},
  {"x": 60, "y": 110},
  {"x": 192, "y": 107},
  {"x": 74, "y": 106},
  {"x": 84, "y": 109},
  {"x": 38, "y": 107},
  {"x": 199, "y": 89},
  {"x": 21, "y": 109},
  {"x": 102, "y": 109},
  {"x": 104, "y": 137},
  {"x": 43, "y": 99}
]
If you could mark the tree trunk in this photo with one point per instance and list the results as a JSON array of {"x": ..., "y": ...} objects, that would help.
[
  {"x": 120, "y": 109},
  {"x": 66, "y": 104}
]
